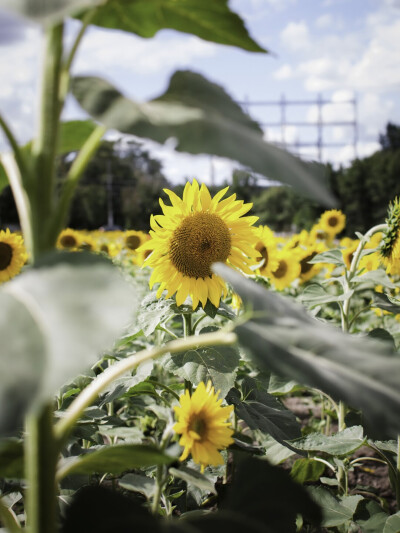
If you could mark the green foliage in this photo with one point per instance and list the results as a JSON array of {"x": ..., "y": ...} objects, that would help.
[
  {"x": 284, "y": 339},
  {"x": 203, "y": 119},
  {"x": 208, "y": 19},
  {"x": 281, "y": 208},
  {"x": 70, "y": 308}
]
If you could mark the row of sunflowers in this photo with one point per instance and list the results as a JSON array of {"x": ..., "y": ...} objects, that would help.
[{"x": 194, "y": 233}]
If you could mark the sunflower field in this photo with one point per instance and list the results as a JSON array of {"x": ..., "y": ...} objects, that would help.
[{"x": 210, "y": 375}]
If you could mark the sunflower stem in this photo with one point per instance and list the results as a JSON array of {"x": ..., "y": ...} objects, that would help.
[
  {"x": 90, "y": 393},
  {"x": 187, "y": 324}
]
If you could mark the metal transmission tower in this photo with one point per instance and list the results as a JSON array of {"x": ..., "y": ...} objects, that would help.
[{"x": 319, "y": 124}]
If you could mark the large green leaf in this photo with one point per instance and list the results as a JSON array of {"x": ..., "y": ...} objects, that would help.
[
  {"x": 203, "y": 119},
  {"x": 335, "y": 512},
  {"x": 217, "y": 364},
  {"x": 115, "y": 459},
  {"x": 283, "y": 338},
  {"x": 263, "y": 411},
  {"x": 56, "y": 320},
  {"x": 47, "y": 11},
  {"x": 342, "y": 443},
  {"x": 211, "y": 20},
  {"x": 392, "y": 524}
]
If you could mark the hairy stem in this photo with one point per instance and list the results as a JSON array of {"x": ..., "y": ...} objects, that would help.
[
  {"x": 40, "y": 463},
  {"x": 90, "y": 393}
]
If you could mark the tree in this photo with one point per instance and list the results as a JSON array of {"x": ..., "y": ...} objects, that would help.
[
  {"x": 390, "y": 140},
  {"x": 120, "y": 188}
]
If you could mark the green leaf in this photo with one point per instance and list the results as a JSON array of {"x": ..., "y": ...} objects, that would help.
[
  {"x": 193, "y": 477},
  {"x": 314, "y": 294},
  {"x": 138, "y": 483},
  {"x": 342, "y": 443},
  {"x": 11, "y": 458},
  {"x": 267, "y": 494},
  {"x": 374, "y": 278},
  {"x": 388, "y": 303},
  {"x": 392, "y": 524},
  {"x": 217, "y": 364},
  {"x": 304, "y": 470},
  {"x": 209, "y": 19},
  {"x": 115, "y": 459},
  {"x": 47, "y": 11},
  {"x": 70, "y": 308},
  {"x": 73, "y": 135},
  {"x": 263, "y": 411},
  {"x": 203, "y": 119},
  {"x": 335, "y": 513},
  {"x": 383, "y": 335},
  {"x": 278, "y": 386},
  {"x": 333, "y": 256},
  {"x": 154, "y": 311},
  {"x": 275, "y": 453},
  {"x": 372, "y": 518},
  {"x": 284, "y": 339}
]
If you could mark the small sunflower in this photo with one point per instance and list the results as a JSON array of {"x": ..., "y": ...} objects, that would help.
[
  {"x": 332, "y": 222},
  {"x": 133, "y": 239},
  {"x": 12, "y": 255},
  {"x": 348, "y": 253},
  {"x": 390, "y": 247},
  {"x": 287, "y": 271},
  {"x": 202, "y": 424},
  {"x": 267, "y": 249},
  {"x": 192, "y": 234},
  {"x": 69, "y": 239},
  {"x": 309, "y": 270}
]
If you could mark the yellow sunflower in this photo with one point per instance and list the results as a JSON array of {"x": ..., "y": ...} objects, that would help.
[
  {"x": 69, "y": 239},
  {"x": 309, "y": 270},
  {"x": 133, "y": 239},
  {"x": 332, "y": 222},
  {"x": 287, "y": 271},
  {"x": 390, "y": 247},
  {"x": 267, "y": 248},
  {"x": 348, "y": 253},
  {"x": 202, "y": 424},
  {"x": 12, "y": 254},
  {"x": 192, "y": 234}
]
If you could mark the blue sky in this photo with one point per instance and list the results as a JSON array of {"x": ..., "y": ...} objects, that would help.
[{"x": 340, "y": 49}]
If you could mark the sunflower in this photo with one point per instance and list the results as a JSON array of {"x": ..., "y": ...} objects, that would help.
[
  {"x": 332, "y": 222},
  {"x": 203, "y": 426},
  {"x": 133, "y": 239},
  {"x": 192, "y": 234},
  {"x": 69, "y": 239},
  {"x": 348, "y": 253},
  {"x": 390, "y": 247},
  {"x": 267, "y": 248},
  {"x": 309, "y": 270},
  {"x": 12, "y": 255},
  {"x": 287, "y": 271}
]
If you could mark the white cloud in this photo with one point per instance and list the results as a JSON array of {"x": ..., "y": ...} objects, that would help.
[
  {"x": 296, "y": 36},
  {"x": 105, "y": 50},
  {"x": 324, "y": 21},
  {"x": 285, "y": 72}
]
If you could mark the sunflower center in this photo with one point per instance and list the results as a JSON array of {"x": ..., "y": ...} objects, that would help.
[
  {"x": 200, "y": 240},
  {"x": 198, "y": 426},
  {"x": 333, "y": 221},
  {"x": 5, "y": 255},
  {"x": 305, "y": 265},
  {"x": 132, "y": 242},
  {"x": 263, "y": 253},
  {"x": 281, "y": 270},
  {"x": 68, "y": 241}
]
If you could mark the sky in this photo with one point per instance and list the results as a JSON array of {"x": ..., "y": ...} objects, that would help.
[{"x": 344, "y": 52}]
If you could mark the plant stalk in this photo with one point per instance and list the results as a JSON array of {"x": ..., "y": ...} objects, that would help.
[
  {"x": 41, "y": 456},
  {"x": 90, "y": 393}
]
